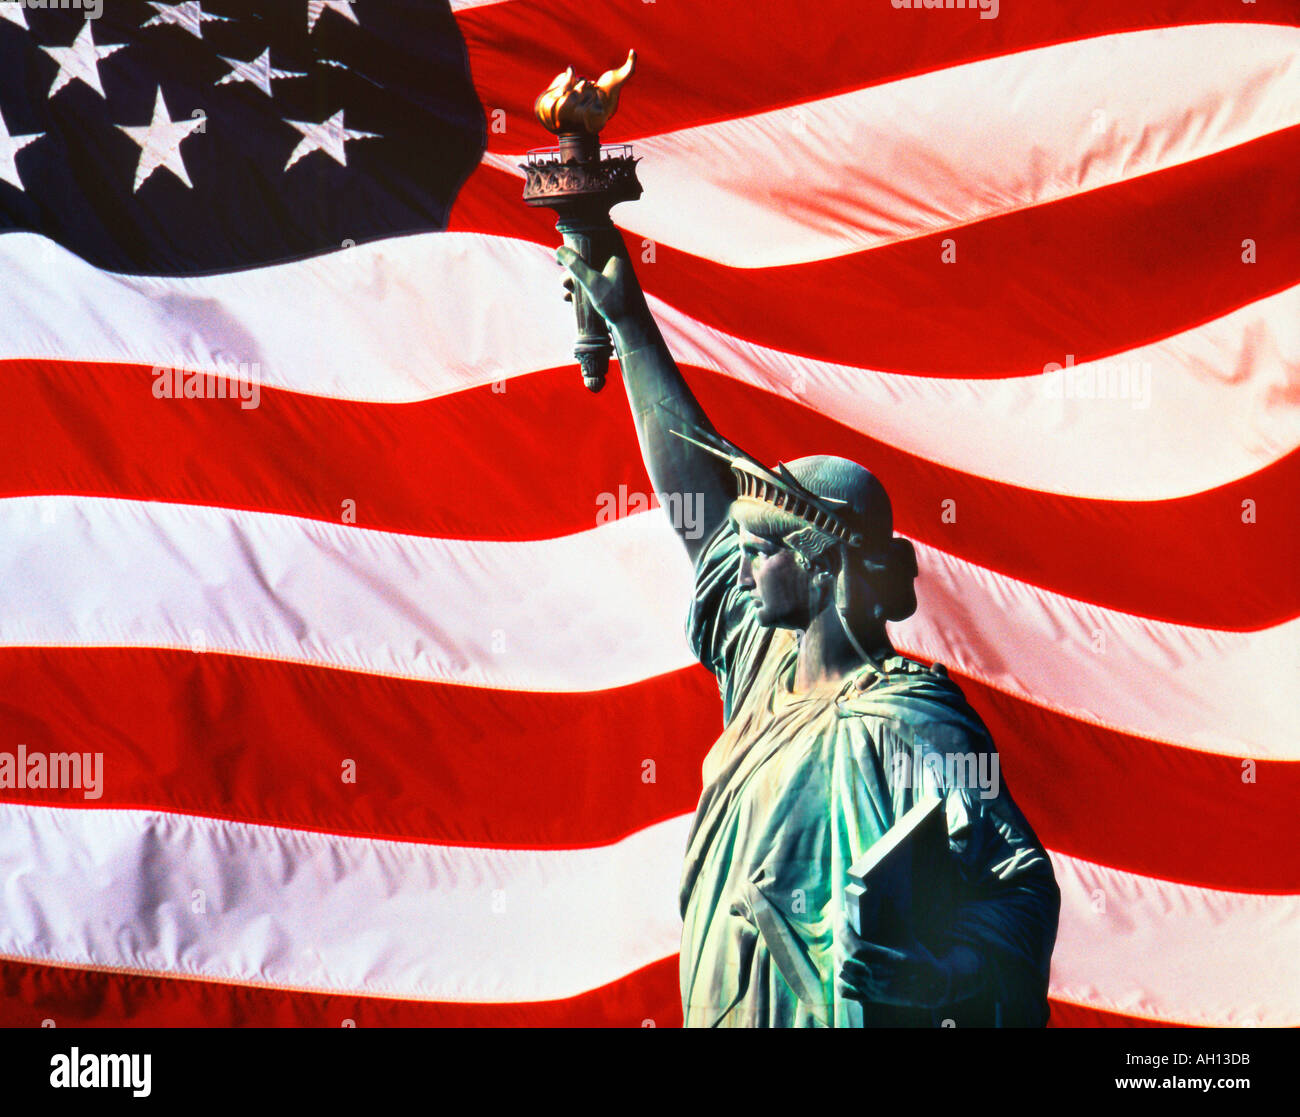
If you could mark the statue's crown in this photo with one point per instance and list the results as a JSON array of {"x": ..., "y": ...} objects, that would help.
[{"x": 777, "y": 488}]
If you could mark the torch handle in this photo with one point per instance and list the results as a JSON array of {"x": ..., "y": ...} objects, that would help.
[{"x": 595, "y": 240}]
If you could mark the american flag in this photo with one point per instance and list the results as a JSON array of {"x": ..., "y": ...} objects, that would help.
[{"x": 344, "y": 592}]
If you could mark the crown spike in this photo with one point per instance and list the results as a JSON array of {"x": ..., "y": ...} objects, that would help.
[{"x": 779, "y": 487}]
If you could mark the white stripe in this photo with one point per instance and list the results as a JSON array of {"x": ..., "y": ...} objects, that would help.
[
  {"x": 396, "y": 321},
  {"x": 327, "y": 912},
  {"x": 358, "y": 325},
  {"x": 584, "y": 612},
  {"x": 301, "y": 910},
  {"x": 581, "y": 612},
  {"x": 922, "y": 154},
  {"x": 1175, "y": 952},
  {"x": 1205, "y": 407}
]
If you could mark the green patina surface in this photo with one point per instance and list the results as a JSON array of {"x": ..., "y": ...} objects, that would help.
[{"x": 796, "y": 788}]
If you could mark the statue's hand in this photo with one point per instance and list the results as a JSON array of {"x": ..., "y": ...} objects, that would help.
[
  {"x": 910, "y": 976},
  {"x": 614, "y": 292}
]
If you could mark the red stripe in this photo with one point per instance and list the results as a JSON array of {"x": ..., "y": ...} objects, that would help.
[
  {"x": 699, "y": 63},
  {"x": 1140, "y": 557},
  {"x": 1092, "y": 275},
  {"x": 1141, "y": 806},
  {"x": 31, "y": 994},
  {"x": 1065, "y": 1015},
  {"x": 263, "y": 741},
  {"x": 98, "y": 430}
]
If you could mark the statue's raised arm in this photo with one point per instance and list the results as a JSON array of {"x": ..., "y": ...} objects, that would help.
[
  {"x": 660, "y": 399},
  {"x": 830, "y": 736}
]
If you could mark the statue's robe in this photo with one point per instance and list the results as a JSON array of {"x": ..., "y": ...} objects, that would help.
[{"x": 797, "y": 787}]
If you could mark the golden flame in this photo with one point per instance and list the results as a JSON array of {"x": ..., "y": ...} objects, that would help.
[{"x": 580, "y": 105}]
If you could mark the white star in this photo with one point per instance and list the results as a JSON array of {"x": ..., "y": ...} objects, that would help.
[
  {"x": 315, "y": 8},
  {"x": 259, "y": 71},
  {"x": 13, "y": 12},
  {"x": 80, "y": 62},
  {"x": 160, "y": 143},
  {"x": 9, "y": 147},
  {"x": 328, "y": 136},
  {"x": 188, "y": 16}
]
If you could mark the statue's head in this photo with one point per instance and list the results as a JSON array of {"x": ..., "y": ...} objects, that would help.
[{"x": 801, "y": 558}]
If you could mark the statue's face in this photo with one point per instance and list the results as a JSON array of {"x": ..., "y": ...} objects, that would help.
[{"x": 778, "y": 585}]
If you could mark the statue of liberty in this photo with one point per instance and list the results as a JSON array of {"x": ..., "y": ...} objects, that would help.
[{"x": 827, "y": 733}]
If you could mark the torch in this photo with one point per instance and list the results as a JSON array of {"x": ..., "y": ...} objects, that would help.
[{"x": 581, "y": 181}]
